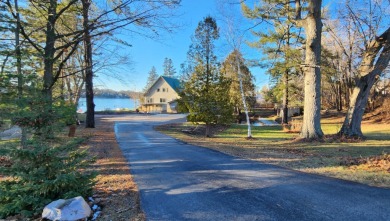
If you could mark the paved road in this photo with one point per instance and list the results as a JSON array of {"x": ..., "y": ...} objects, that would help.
[{"x": 183, "y": 182}]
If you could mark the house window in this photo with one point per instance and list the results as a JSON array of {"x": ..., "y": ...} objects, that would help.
[
  {"x": 158, "y": 89},
  {"x": 167, "y": 89},
  {"x": 150, "y": 100},
  {"x": 163, "y": 89},
  {"x": 163, "y": 100}
]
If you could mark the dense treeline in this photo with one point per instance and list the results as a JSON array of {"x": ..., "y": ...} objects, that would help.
[{"x": 108, "y": 93}]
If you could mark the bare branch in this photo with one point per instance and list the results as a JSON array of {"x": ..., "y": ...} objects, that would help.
[
  {"x": 61, "y": 65},
  {"x": 65, "y": 8},
  {"x": 298, "y": 10}
]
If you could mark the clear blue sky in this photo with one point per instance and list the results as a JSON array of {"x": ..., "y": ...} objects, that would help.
[{"x": 146, "y": 52}]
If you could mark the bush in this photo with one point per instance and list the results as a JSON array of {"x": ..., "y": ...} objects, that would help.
[
  {"x": 42, "y": 173},
  {"x": 43, "y": 118}
]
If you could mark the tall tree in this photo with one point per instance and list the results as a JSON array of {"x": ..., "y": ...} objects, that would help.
[
  {"x": 49, "y": 44},
  {"x": 169, "y": 69},
  {"x": 312, "y": 24},
  {"x": 279, "y": 44},
  {"x": 205, "y": 93},
  {"x": 311, "y": 126},
  {"x": 90, "y": 119},
  {"x": 152, "y": 77},
  {"x": 151, "y": 17},
  {"x": 185, "y": 72},
  {"x": 241, "y": 89},
  {"x": 374, "y": 61},
  {"x": 360, "y": 37}
]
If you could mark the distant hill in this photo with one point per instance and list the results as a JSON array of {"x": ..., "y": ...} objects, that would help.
[{"x": 109, "y": 93}]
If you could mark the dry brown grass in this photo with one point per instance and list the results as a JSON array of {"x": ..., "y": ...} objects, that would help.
[{"x": 115, "y": 190}]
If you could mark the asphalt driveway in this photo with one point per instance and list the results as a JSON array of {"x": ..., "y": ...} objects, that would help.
[{"x": 178, "y": 181}]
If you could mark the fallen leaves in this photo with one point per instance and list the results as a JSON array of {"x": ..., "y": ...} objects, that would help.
[
  {"x": 115, "y": 190},
  {"x": 376, "y": 163}
]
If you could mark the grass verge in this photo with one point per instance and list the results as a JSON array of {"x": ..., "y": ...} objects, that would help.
[{"x": 366, "y": 161}]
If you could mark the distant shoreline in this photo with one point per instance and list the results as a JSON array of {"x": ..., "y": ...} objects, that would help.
[
  {"x": 110, "y": 103},
  {"x": 108, "y": 96}
]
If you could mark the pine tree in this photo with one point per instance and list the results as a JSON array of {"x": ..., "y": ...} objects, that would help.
[
  {"x": 205, "y": 93},
  {"x": 169, "y": 70},
  {"x": 40, "y": 174},
  {"x": 312, "y": 25},
  {"x": 153, "y": 76},
  {"x": 279, "y": 45},
  {"x": 185, "y": 72}
]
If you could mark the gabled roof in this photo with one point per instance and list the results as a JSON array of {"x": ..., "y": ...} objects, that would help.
[{"x": 172, "y": 82}]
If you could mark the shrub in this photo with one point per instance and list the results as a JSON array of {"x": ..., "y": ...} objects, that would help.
[{"x": 42, "y": 173}]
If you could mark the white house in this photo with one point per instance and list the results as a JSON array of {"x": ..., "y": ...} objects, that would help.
[{"x": 162, "y": 96}]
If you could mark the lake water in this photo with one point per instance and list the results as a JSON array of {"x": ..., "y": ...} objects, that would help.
[{"x": 109, "y": 104}]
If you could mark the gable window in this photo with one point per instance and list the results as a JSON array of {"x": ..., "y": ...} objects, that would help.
[
  {"x": 163, "y": 89},
  {"x": 167, "y": 89},
  {"x": 163, "y": 100},
  {"x": 158, "y": 89}
]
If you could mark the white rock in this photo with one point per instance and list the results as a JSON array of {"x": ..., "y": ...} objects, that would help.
[{"x": 70, "y": 209}]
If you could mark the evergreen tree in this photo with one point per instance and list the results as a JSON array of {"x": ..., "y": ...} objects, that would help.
[
  {"x": 169, "y": 70},
  {"x": 279, "y": 44},
  {"x": 40, "y": 174},
  {"x": 312, "y": 25},
  {"x": 151, "y": 78},
  {"x": 185, "y": 72},
  {"x": 205, "y": 93}
]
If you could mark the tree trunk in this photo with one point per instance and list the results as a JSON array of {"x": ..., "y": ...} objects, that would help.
[
  {"x": 311, "y": 127},
  {"x": 285, "y": 99},
  {"x": 286, "y": 76},
  {"x": 18, "y": 55},
  {"x": 48, "y": 60},
  {"x": 90, "y": 118},
  {"x": 368, "y": 72},
  {"x": 49, "y": 51},
  {"x": 208, "y": 131},
  {"x": 339, "y": 97}
]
